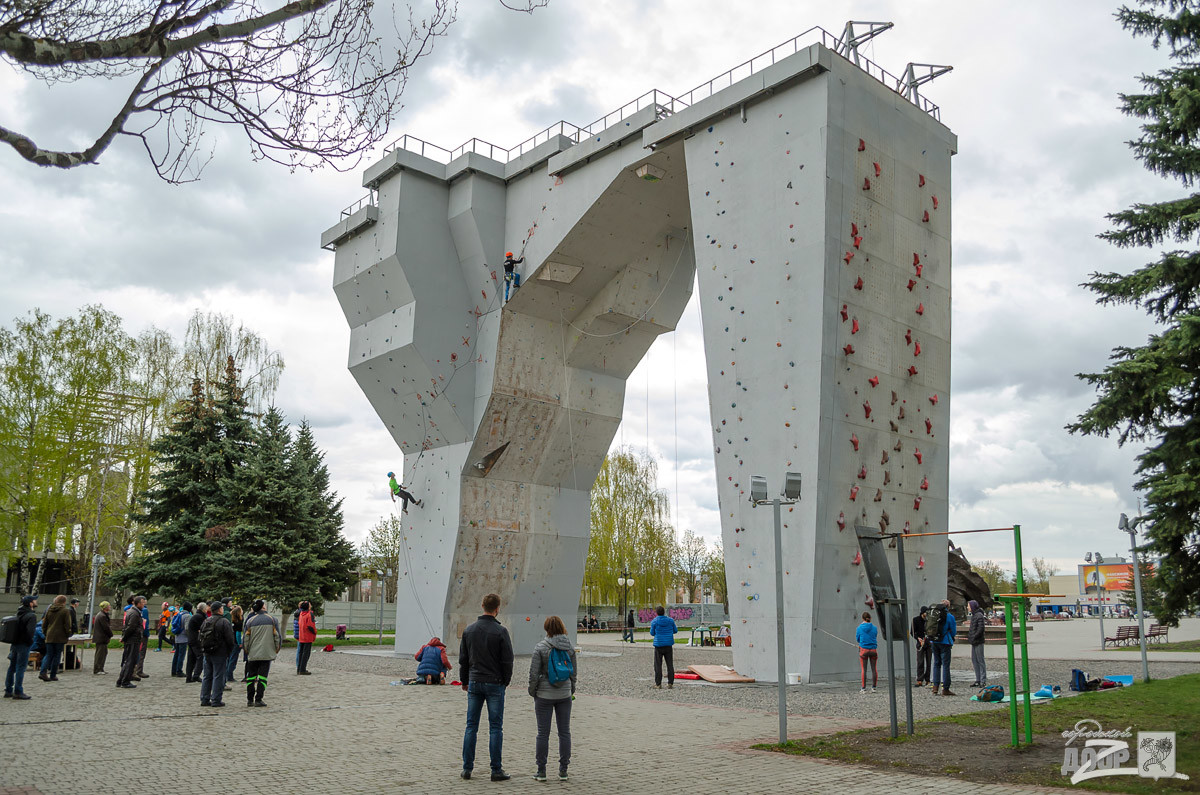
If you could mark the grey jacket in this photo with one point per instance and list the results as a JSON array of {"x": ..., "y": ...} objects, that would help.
[
  {"x": 975, "y": 634},
  {"x": 261, "y": 637},
  {"x": 539, "y": 678},
  {"x": 186, "y": 619}
]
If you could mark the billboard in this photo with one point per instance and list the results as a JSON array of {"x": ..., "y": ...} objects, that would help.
[{"x": 1113, "y": 577}]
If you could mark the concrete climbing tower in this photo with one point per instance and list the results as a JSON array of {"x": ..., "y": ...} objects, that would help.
[{"x": 813, "y": 202}]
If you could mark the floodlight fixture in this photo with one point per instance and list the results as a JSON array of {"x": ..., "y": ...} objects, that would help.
[
  {"x": 1123, "y": 523},
  {"x": 758, "y": 489},
  {"x": 791, "y": 485}
]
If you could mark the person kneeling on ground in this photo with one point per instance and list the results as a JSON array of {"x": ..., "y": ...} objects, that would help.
[
  {"x": 262, "y": 639},
  {"x": 432, "y": 662}
]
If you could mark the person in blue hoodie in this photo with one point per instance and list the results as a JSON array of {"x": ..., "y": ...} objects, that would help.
[
  {"x": 662, "y": 630},
  {"x": 942, "y": 649},
  {"x": 867, "y": 637}
]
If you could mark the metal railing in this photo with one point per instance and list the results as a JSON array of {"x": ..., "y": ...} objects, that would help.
[
  {"x": 365, "y": 201},
  {"x": 664, "y": 102}
]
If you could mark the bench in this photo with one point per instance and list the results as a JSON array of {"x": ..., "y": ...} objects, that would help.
[
  {"x": 1157, "y": 633},
  {"x": 1126, "y": 636}
]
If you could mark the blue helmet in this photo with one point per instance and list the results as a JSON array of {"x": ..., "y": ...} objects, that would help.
[{"x": 391, "y": 474}]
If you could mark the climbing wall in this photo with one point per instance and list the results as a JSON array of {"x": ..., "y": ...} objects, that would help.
[{"x": 821, "y": 215}]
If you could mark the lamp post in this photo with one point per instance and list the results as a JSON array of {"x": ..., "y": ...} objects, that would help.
[
  {"x": 1099, "y": 591},
  {"x": 1131, "y": 528},
  {"x": 625, "y": 581},
  {"x": 758, "y": 496}
]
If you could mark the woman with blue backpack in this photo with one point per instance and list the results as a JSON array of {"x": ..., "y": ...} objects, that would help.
[{"x": 552, "y": 676}]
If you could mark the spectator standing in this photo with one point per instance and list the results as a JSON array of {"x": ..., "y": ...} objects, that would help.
[
  {"x": 101, "y": 634},
  {"x": 552, "y": 675},
  {"x": 662, "y": 630},
  {"x": 262, "y": 639},
  {"x": 629, "y": 626},
  {"x": 432, "y": 662},
  {"x": 56, "y": 625},
  {"x": 235, "y": 618},
  {"x": 867, "y": 637},
  {"x": 942, "y": 649},
  {"x": 69, "y": 651},
  {"x": 195, "y": 657},
  {"x": 181, "y": 619},
  {"x": 485, "y": 663},
  {"x": 296, "y": 633},
  {"x": 216, "y": 643},
  {"x": 975, "y": 636},
  {"x": 924, "y": 648},
  {"x": 18, "y": 652},
  {"x": 141, "y": 663},
  {"x": 308, "y": 635},
  {"x": 132, "y": 639},
  {"x": 164, "y": 624}
]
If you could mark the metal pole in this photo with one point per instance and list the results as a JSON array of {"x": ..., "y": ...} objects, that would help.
[
  {"x": 908, "y": 707},
  {"x": 1024, "y": 638},
  {"x": 891, "y": 665},
  {"x": 96, "y": 560},
  {"x": 779, "y": 638},
  {"x": 1100, "y": 599},
  {"x": 381, "y": 587},
  {"x": 1137, "y": 587},
  {"x": 1012, "y": 672}
]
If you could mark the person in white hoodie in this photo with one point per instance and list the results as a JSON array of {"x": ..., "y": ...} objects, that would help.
[{"x": 552, "y": 675}]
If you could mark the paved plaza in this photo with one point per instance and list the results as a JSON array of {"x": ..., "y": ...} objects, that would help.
[{"x": 349, "y": 729}]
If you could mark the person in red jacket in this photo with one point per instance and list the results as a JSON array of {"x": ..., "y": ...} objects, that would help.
[{"x": 308, "y": 634}]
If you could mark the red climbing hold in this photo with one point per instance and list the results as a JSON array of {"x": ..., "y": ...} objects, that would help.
[
  {"x": 845, "y": 314},
  {"x": 858, "y": 285},
  {"x": 912, "y": 369},
  {"x": 917, "y": 504},
  {"x": 921, "y": 180},
  {"x": 867, "y": 186},
  {"x": 928, "y": 425},
  {"x": 857, "y": 557},
  {"x": 908, "y": 337},
  {"x": 919, "y": 269},
  {"x": 862, "y": 473},
  {"x": 911, "y": 284},
  {"x": 862, "y": 145},
  {"x": 853, "y": 493},
  {"x": 917, "y": 349},
  {"x": 849, "y": 349},
  {"x": 873, "y": 381},
  {"x": 924, "y": 216},
  {"x": 906, "y": 528},
  {"x": 853, "y": 229},
  {"x": 933, "y": 399},
  {"x": 854, "y": 326},
  {"x": 921, "y": 309},
  {"x": 854, "y": 441},
  {"x": 918, "y": 455},
  {"x": 916, "y": 258},
  {"x": 841, "y": 522},
  {"x": 857, "y": 241},
  {"x": 924, "y": 484},
  {"x": 867, "y": 408},
  {"x": 921, "y": 563},
  {"x": 849, "y": 256},
  {"x": 869, "y": 601},
  {"x": 878, "y": 170},
  {"x": 935, "y": 202}
]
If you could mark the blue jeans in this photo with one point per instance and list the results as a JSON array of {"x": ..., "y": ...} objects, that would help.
[
  {"x": 477, "y": 694},
  {"x": 181, "y": 649},
  {"x": 212, "y": 685},
  {"x": 14, "y": 680},
  {"x": 51, "y": 659},
  {"x": 941, "y": 663},
  {"x": 233, "y": 659}
]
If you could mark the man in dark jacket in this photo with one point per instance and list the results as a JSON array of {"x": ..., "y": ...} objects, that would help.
[
  {"x": 485, "y": 663},
  {"x": 975, "y": 636},
  {"x": 131, "y": 640},
  {"x": 195, "y": 658},
  {"x": 70, "y": 650},
  {"x": 924, "y": 648},
  {"x": 18, "y": 653},
  {"x": 216, "y": 642},
  {"x": 101, "y": 634},
  {"x": 56, "y": 625}
]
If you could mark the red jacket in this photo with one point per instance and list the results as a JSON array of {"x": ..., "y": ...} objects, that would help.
[{"x": 308, "y": 627}]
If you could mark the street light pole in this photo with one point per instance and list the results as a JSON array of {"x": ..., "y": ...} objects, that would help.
[
  {"x": 625, "y": 581},
  {"x": 1131, "y": 528},
  {"x": 1099, "y": 594}
]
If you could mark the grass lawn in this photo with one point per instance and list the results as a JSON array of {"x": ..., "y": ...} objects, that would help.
[
  {"x": 1183, "y": 645},
  {"x": 974, "y": 746}
]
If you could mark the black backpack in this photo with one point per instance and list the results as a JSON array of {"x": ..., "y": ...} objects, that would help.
[
  {"x": 8, "y": 629},
  {"x": 209, "y": 640},
  {"x": 935, "y": 625}
]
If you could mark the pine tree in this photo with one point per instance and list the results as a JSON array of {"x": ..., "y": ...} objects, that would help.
[
  {"x": 323, "y": 507},
  {"x": 1151, "y": 393}
]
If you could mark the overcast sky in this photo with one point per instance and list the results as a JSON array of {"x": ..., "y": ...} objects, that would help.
[{"x": 1042, "y": 159}]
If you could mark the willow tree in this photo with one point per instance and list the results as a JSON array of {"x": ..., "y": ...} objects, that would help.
[{"x": 630, "y": 528}]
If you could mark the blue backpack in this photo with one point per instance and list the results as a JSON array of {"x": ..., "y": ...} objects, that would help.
[
  {"x": 559, "y": 667},
  {"x": 177, "y": 624}
]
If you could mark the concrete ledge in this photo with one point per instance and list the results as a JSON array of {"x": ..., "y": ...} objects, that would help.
[
  {"x": 539, "y": 154},
  {"x": 348, "y": 227},
  {"x": 398, "y": 160},
  {"x": 473, "y": 163},
  {"x": 616, "y": 135}
]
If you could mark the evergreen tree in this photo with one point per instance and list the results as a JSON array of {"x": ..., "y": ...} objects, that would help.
[
  {"x": 323, "y": 507},
  {"x": 1151, "y": 393}
]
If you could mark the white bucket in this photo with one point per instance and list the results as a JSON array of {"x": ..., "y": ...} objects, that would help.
[{"x": 793, "y": 679}]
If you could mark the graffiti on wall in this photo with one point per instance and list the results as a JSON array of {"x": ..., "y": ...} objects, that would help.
[{"x": 646, "y": 615}]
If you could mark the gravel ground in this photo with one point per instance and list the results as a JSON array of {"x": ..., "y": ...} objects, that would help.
[{"x": 615, "y": 671}]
